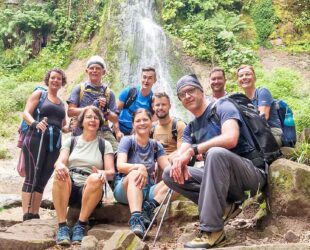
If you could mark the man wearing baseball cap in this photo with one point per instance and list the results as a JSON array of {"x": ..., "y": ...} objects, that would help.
[
  {"x": 220, "y": 134},
  {"x": 95, "y": 92}
]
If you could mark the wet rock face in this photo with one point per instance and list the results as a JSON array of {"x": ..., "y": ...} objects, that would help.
[{"x": 289, "y": 185}]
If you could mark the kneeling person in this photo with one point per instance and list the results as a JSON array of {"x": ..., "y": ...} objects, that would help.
[{"x": 84, "y": 165}]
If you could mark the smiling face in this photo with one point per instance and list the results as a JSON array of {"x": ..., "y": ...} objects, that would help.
[
  {"x": 55, "y": 80},
  {"x": 161, "y": 106},
  {"x": 246, "y": 78},
  {"x": 148, "y": 79},
  {"x": 217, "y": 81},
  {"x": 191, "y": 98},
  {"x": 95, "y": 73},
  {"x": 142, "y": 124},
  {"x": 91, "y": 121}
]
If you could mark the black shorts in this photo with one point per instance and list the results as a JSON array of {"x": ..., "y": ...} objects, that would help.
[{"x": 75, "y": 199}]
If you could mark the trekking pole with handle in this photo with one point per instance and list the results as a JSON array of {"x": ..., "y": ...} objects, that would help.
[
  {"x": 36, "y": 169},
  {"x": 156, "y": 214},
  {"x": 170, "y": 191}
]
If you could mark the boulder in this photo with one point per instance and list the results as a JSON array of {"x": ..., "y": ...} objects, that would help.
[
  {"x": 289, "y": 185},
  {"x": 89, "y": 243},
  {"x": 105, "y": 231},
  {"x": 125, "y": 239},
  {"x": 185, "y": 209},
  {"x": 114, "y": 213},
  {"x": 33, "y": 234}
]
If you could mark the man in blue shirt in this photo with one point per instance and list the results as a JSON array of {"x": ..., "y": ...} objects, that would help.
[
  {"x": 94, "y": 92},
  {"x": 220, "y": 184},
  {"x": 143, "y": 99}
]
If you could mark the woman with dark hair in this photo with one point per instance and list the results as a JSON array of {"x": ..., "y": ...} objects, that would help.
[
  {"x": 134, "y": 182},
  {"x": 53, "y": 109},
  {"x": 85, "y": 163},
  {"x": 261, "y": 98}
]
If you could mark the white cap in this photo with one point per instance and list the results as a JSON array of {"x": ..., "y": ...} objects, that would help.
[{"x": 96, "y": 60}]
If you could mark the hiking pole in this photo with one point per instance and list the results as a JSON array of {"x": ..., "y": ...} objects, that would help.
[
  {"x": 163, "y": 217},
  {"x": 36, "y": 168},
  {"x": 155, "y": 215}
]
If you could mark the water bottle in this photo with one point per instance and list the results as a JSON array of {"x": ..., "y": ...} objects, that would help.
[{"x": 289, "y": 121}]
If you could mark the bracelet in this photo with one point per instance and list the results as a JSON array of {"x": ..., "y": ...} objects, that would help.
[{"x": 34, "y": 124}]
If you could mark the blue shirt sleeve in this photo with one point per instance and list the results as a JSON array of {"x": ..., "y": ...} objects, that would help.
[
  {"x": 112, "y": 103},
  {"x": 124, "y": 145},
  {"x": 123, "y": 95},
  {"x": 226, "y": 111},
  {"x": 161, "y": 150},
  {"x": 187, "y": 135},
  {"x": 74, "y": 97},
  {"x": 264, "y": 97}
]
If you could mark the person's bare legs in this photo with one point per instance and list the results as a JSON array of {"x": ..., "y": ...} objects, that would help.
[
  {"x": 61, "y": 193},
  {"x": 92, "y": 194}
]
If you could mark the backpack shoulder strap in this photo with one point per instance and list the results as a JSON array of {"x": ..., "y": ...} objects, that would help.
[
  {"x": 174, "y": 129},
  {"x": 41, "y": 100},
  {"x": 82, "y": 89},
  {"x": 131, "y": 97},
  {"x": 107, "y": 92},
  {"x": 154, "y": 124},
  {"x": 73, "y": 143},
  {"x": 101, "y": 146},
  {"x": 155, "y": 147}
]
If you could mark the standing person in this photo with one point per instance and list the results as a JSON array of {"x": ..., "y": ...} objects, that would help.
[
  {"x": 217, "y": 83},
  {"x": 52, "y": 108},
  {"x": 225, "y": 175},
  {"x": 94, "y": 92},
  {"x": 81, "y": 170},
  {"x": 167, "y": 130},
  {"x": 137, "y": 97},
  {"x": 134, "y": 182},
  {"x": 261, "y": 98}
]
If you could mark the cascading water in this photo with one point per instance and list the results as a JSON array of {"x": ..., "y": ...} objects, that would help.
[{"x": 144, "y": 43}]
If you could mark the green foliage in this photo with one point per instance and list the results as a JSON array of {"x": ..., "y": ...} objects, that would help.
[
  {"x": 208, "y": 30},
  {"x": 264, "y": 17},
  {"x": 301, "y": 153}
]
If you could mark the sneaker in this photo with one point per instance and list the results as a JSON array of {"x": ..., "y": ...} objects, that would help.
[
  {"x": 137, "y": 226},
  {"x": 231, "y": 211},
  {"x": 78, "y": 232},
  {"x": 27, "y": 216},
  {"x": 207, "y": 240},
  {"x": 147, "y": 213},
  {"x": 63, "y": 236},
  {"x": 36, "y": 216}
]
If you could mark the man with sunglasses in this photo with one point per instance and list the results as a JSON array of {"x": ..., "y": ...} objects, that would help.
[{"x": 220, "y": 184}]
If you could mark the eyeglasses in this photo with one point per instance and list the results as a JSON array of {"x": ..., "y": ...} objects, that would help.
[
  {"x": 190, "y": 92},
  {"x": 90, "y": 117}
]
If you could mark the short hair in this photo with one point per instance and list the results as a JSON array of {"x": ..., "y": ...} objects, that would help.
[
  {"x": 247, "y": 66},
  {"x": 217, "y": 69},
  {"x": 139, "y": 111},
  {"x": 96, "y": 110},
  {"x": 160, "y": 95},
  {"x": 149, "y": 68},
  {"x": 59, "y": 71}
]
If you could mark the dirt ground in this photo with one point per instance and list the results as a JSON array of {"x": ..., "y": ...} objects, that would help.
[{"x": 239, "y": 232}]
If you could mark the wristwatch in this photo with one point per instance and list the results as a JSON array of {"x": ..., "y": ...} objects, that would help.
[{"x": 195, "y": 148}]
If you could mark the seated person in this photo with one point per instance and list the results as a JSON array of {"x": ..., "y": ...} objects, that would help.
[
  {"x": 134, "y": 182},
  {"x": 83, "y": 166}
]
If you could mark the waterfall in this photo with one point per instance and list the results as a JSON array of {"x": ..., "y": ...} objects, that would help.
[{"x": 144, "y": 43}]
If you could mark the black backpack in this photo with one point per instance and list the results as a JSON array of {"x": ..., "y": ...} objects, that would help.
[
  {"x": 263, "y": 139},
  {"x": 174, "y": 129},
  {"x": 132, "y": 96}
]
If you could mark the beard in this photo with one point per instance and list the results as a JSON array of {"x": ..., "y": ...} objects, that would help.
[{"x": 163, "y": 116}]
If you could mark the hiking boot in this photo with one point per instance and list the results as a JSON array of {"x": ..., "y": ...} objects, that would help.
[
  {"x": 207, "y": 240},
  {"x": 35, "y": 216},
  {"x": 27, "y": 216},
  {"x": 147, "y": 213},
  {"x": 137, "y": 226},
  {"x": 78, "y": 232},
  {"x": 63, "y": 236},
  {"x": 231, "y": 211}
]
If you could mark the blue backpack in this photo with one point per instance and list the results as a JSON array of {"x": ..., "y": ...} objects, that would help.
[
  {"x": 287, "y": 123},
  {"x": 24, "y": 127}
]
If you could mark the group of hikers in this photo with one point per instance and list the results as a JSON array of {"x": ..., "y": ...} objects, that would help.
[{"x": 154, "y": 150}]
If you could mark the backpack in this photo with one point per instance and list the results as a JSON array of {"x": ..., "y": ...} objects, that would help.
[
  {"x": 106, "y": 94},
  {"x": 287, "y": 123},
  {"x": 132, "y": 96},
  {"x": 22, "y": 130},
  {"x": 265, "y": 144},
  {"x": 174, "y": 129}
]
